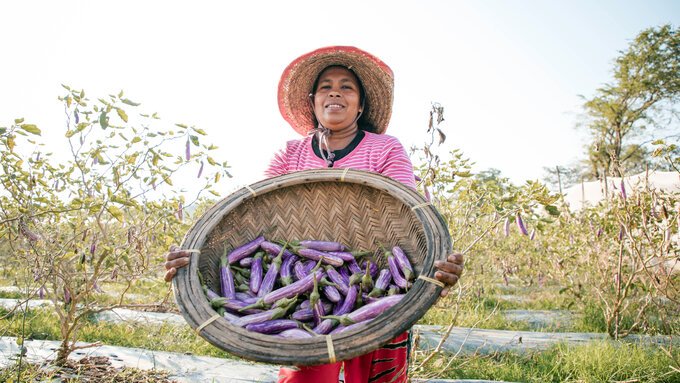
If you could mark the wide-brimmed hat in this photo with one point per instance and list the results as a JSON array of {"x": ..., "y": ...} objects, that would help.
[{"x": 298, "y": 78}]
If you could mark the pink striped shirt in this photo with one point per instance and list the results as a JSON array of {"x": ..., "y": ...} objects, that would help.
[{"x": 378, "y": 153}]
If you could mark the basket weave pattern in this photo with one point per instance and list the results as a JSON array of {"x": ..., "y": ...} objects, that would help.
[{"x": 362, "y": 211}]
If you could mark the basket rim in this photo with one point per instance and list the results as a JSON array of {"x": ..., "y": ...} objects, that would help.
[{"x": 201, "y": 316}]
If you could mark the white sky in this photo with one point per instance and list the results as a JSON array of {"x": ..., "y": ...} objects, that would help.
[{"x": 507, "y": 72}]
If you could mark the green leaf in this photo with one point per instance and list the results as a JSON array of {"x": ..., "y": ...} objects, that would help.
[
  {"x": 182, "y": 126},
  {"x": 18, "y": 120},
  {"x": 131, "y": 103},
  {"x": 103, "y": 120},
  {"x": 30, "y": 128},
  {"x": 2, "y": 130},
  {"x": 194, "y": 139},
  {"x": 115, "y": 212},
  {"x": 136, "y": 140},
  {"x": 211, "y": 161},
  {"x": 121, "y": 113},
  {"x": 10, "y": 143},
  {"x": 552, "y": 210},
  {"x": 200, "y": 131}
]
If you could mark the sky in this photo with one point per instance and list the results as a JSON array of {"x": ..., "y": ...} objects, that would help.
[{"x": 509, "y": 74}]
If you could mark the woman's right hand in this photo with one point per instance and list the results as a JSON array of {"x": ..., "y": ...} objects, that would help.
[{"x": 175, "y": 259}]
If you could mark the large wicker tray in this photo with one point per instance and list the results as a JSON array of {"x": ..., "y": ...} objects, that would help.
[{"x": 357, "y": 208}]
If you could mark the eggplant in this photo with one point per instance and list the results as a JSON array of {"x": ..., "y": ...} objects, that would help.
[
  {"x": 332, "y": 293},
  {"x": 256, "y": 273},
  {"x": 245, "y": 250},
  {"x": 398, "y": 279},
  {"x": 354, "y": 267},
  {"x": 403, "y": 262},
  {"x": 367, "y": 280},
  {"x": 299, "y": 287},
  {"x": 325, "y": 327},
  {"x": 336, "y": 278},
  {"x": 273, "y": 326},
  {"x": 264, "y": 316},
  {"x": 299, "y": 270},
  {"x": 520, "y": 224},
  {"x": 273, "y": 272},
  {"x": 381, "y": 284},
  {"x": 317, "y": 255},
  {"x": 348, "y": 303},
  {"x": 226, "y": 279},
  {"x": 372, "y": 267},
  {"x": 274, "y": 249},
  {"x": 345, "y": 274},
  {"x": 285, "y": 273},
  {"x": 210, "y": 294},
  {"x": 246, "y": 262},
  {"x": 294, "y": 333},
  {"x": 322, "y": 245},
  {"x": 368, "y": 311},
  {"x": 233, "y": 305},
  {"x": 303, "y": 314}
]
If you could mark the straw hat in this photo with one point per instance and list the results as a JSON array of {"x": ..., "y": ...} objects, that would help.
[{"x": 298, "y": 78}]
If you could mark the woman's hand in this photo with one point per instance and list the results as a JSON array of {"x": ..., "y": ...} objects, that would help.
[
  {"x": 175, "y": 259},
  {"x": 449, "y": 271}
]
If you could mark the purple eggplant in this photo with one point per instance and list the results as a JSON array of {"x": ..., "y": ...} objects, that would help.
[
  {"x": 273, "y": 326},
  {"x": 348, "y": 303},
  {"x": 403, "y": 262},
  {"x": 245, "y": 250},
  {"x": 285, "y": 273},
  {"x": 298, "y": 287},
  {"x": 273, "y": 272},
  {"x": 336, "y": 278},
  {"x": 325, "y": 327},
  {"x": 264, "y": 316},
  {"x": 381, "y": 284},
  {"x": 303, "y": 314},
  {"x": 398, "y": 279},
  {"x": 332, "y": 294},
  {"x": 341, "y": 328},
  {"x": 349, "y": 256},
  {"x": 372, "y": 267},
  {"x": 315, "y": 303},
  {"x": 256, "y": 273},
  {"x": 210, "y": 294},
  {"x": 233, "y": 305},
  {"x": 368, "y": 311},
  {"x": 294, "y": 333},
  {"x": 317, "y": 255},
  {"x": 322, "y": 245},
  {"x": 309, "y": 265},
  {"x": 245, "y": 296},
  {"x": 226, "y": 279},
  {"x": 520, "y": 224},
  {"x": 367, "y": 280},
  {"x": 299, "y": 270},
  {"x": 246, "y": 262},
  {"x": 345, "y": 274},
  {"x": 354, "y": 267},
  {"x": 274, "y": 249},
  {"x": 229, "y": 316}
]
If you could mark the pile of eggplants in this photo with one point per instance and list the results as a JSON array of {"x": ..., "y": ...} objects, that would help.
[{"x": 306, "y": 288}]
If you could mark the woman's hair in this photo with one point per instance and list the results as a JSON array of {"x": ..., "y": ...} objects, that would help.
[{"x": 363, "y": 123}]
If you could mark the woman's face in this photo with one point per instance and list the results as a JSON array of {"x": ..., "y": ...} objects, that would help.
[{"x": 337, "y": 98}]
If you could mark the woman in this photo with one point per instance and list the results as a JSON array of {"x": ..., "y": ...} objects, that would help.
[{"x": 340, "y": 98}]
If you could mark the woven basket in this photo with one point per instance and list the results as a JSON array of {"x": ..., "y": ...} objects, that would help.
[{"x": 357, "y": 208}]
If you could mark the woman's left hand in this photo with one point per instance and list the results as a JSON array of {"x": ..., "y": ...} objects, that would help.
[{"x": 449, "y": 271}]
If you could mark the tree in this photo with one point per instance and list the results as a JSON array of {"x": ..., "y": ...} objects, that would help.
[
  {"x": 82, "y": 226},
  {"x": 644, "y": 92}
]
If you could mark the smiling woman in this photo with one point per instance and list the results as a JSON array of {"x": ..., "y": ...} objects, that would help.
[{"x": 340, "y": 99}]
